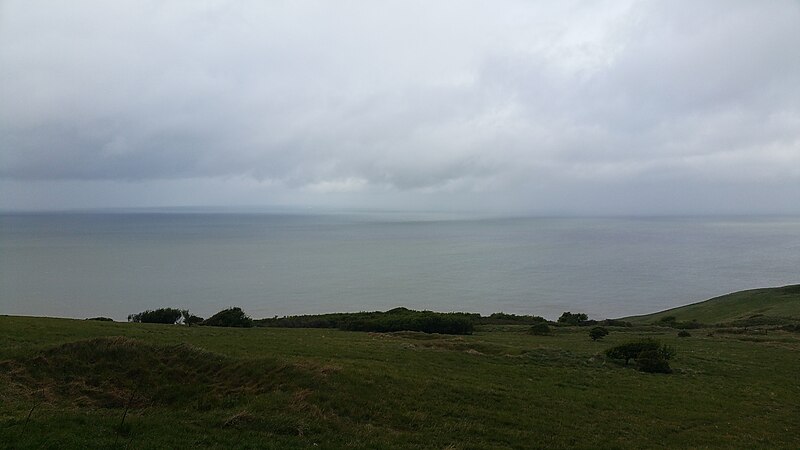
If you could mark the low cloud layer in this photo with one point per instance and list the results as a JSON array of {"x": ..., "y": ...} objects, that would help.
[{"x": 589, "y": 107}]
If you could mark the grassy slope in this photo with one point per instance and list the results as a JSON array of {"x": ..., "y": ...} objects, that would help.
[
  {"x": 294, "y": 388},
  {"x": 771, "y": 302}
]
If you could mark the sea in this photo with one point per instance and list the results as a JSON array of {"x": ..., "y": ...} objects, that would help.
[{"x": 119, "y": 262}]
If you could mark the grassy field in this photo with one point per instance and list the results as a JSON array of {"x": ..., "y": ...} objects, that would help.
[{"x": 85, "y": 384}]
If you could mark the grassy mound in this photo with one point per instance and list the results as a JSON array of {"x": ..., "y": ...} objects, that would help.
[
  {"x": 779, "y": 304},
  {"x": 112, "y": 372}
]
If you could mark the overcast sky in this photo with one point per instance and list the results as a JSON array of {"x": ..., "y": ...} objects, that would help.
[{"x": 500, "y": 106}]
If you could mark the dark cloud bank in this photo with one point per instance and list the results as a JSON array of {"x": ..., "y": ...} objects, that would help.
[{"x": 572, "y": 107}]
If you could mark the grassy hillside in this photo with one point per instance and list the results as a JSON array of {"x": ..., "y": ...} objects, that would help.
[
  {"x": 781, "y": 302},
  {"x": 85, "y": 384}
]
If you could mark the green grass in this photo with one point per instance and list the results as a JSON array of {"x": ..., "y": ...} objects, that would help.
[
  {"x": 781, "y": 302},
  {"x": 322, "y": 388}
]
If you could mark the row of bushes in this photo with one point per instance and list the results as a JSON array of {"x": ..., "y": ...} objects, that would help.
[
  {"x": 582, "y": 320},
  {"x": 397, "y": 319},
  {"x": 425, "y": 321},
  {"x": 404, "y": 319},
  {"x": 672, "y": 322},
  {"x": 501, "y": 318},
  {"x": 337, "y": 320},
  {"x": 231, "y": 317}
]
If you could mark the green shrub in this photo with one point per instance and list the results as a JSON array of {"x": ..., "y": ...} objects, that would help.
[
  {"x": 161, "y": 315},
  {"x": 631, "y": 350},
  {"x": 540, "y": 329},
  {"x": 652, "y": 361},
  {"x": 684, "y": 333},
  {"x": 231, "y": 317},
  {"x": 501, "y": 318},
  {"x": 569, "y": 318},
  {"x": 598, "y": 333},
  {"x": 101, "y": 319}
]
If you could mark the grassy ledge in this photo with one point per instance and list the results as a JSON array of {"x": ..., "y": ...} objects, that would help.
[{"x": 780, "y": 302}]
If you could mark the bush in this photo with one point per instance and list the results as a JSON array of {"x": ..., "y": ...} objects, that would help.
[
  {"x": 598, "y": 333},
  {"x": 161, "y": 315},
  {"x": 652, "y": 361},
  {"x": 632, "y": 350},
  {"x": 540, "y": 329},
  {"x": 684, "y": 333},
  {"x": 231, "y": 317},
  {"x": 572, "y": 319},
  {"x": 101, "y": 319}
]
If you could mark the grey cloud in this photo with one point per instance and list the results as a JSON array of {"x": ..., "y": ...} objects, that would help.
[{"x": 531, "y": 102}]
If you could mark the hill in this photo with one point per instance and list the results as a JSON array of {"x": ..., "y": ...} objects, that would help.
[{"x": 767, "y": 303}]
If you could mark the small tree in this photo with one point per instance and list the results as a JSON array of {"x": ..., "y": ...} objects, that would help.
[
  {"x": 631, "y": 350},
  {"x": 231, "y": 317},
  {"x": 597, "y": 333}
]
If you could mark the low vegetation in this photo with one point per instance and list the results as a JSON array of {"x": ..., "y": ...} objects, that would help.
[
  {"x": 501, "y": 318},
  {"x": 598, "y": 333},
  {"x": 231, "y": 317},
  {"x": 672, "y": 322},
  {"x": 397, "y": 319},
  {"x": 540, "y": 329},
  {"x": 569, "y": 318},
  {"x": 101, "y": 319},
  {"x": 649, "y": 354},
  {"x": 161, "y": 315}
]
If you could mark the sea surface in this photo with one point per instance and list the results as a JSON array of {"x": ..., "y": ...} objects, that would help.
[{"x": 117, "y": 263}]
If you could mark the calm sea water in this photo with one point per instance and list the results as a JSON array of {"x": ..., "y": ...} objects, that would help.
[{"x": 114, "y": 264}]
